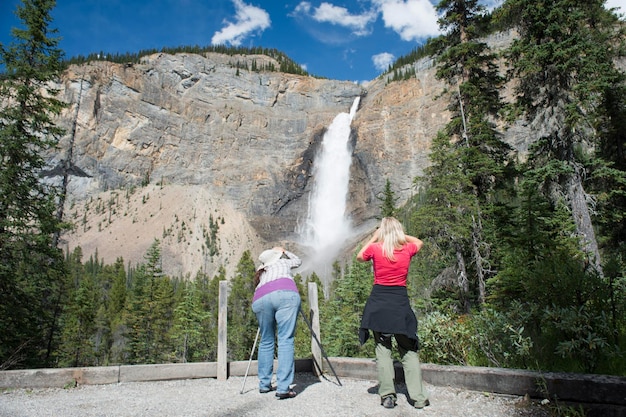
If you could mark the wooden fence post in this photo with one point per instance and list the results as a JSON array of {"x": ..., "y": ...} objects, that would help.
[
  {"x": 222, "y": 339},
  {"x": 314, "y": 316}
]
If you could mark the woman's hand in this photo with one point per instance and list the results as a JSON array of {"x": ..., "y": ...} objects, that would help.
[
  {"x": 415, "y": 240},
  {"x": 373, "y": 239}
]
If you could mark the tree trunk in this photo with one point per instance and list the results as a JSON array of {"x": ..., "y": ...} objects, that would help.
[
  {"x": 582, "y": 218},
  {"x": 463, "y": 281},
  {"x": 478, "y": 259}
]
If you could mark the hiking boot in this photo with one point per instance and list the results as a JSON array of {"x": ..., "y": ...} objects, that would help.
[
  {"x": 388, "y": 401},
  {"x": 286, "y": 395},
  {"x": 426, "y": 404}
]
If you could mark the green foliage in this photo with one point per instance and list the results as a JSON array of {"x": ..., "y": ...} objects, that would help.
[
  {"x": 341, "y": 315},
  {"x": 402, "y": 74},
  {"x": 583, "y": 335},
  {"x": 445, "y": 216},
  {"x": 31, "y": 267},
  {"x": 444, "y": 339},
  {"x": 485, "y": 338},
  {"x": 388, "y": 201},
  {"x": 422, "y": 51},
  {"x": 564, "y": 61},
  {"x": 608, "y": 183},
  {"x": 211, "y": 240},
  {"x": 513, "y": 227},
  {"x": 615, "y": 300},
  {"x": 286, "y": 64},
  {"x": 425, "y": 267},
  {"x": 470, "y": 157},
  {"x": 189, "y": 322},
  {"x": 76, "y": 348},
  {"x": 209, "y": 297},
  {"x": 116, "y": 297},
  {"x": 577, "y": 61},
  {"x": 538, "y": 248},
  {"x": 447, "y": 213},
  {"x": 149, "y": 311},
  {"x": 302, "y": 342},
  {"x": 542, "y": 271},
  {"x": 499, "y": 338},
  {"x": 242, "y": 322}
]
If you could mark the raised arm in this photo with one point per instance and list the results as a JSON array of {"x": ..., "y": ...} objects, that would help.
[
  {"x": 294, "y": 261},
  {"x": 373, "y": 239},
  {"x": 413, "y": 239}
]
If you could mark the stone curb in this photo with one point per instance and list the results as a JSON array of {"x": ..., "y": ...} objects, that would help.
[
  {"x": 567, "y": 387},
  {"x": 100, "y": 375},
  {"x": 599, "y": 395}
]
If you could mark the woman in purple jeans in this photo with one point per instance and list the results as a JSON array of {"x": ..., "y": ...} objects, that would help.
[{"x": 276, "y": 304}]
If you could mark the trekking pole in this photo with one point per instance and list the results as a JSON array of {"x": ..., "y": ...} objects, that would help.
[
  {"x": 250, "y": 360},
  {"x": 320, "y": 346}
]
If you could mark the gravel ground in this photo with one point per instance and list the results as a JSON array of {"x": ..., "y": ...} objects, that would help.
[{"x": 208, "y": 397}]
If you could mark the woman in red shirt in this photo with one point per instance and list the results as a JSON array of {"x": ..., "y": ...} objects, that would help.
[{"x": 388, "y": 312}]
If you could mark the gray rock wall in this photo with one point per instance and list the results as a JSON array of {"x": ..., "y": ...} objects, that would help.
[{"x": 241, "y": 143}]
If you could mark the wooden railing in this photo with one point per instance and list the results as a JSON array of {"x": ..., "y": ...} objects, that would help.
[{"x": 222, "y": 333}]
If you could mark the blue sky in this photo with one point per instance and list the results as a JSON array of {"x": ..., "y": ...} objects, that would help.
[{"x": 352, "y": 40}]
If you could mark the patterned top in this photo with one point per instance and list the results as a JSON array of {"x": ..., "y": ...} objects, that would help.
[
  {"x": 278, "y": 277},
  {"x": 280, "y": 269}
]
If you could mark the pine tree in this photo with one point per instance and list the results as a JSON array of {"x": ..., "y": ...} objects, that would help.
[
  {"x": 468, "y": 156},
  {"x": 188, "y": 325},
  {"x": 117, "y": 294},
  {"x": 341, "y": 314},
  {"x": 31, "y": 275},
  {"x": 388, "y": 200},
  {"x": 78, "y": 328},
  {"x": 149, "y": 310},
  {"x": 210, "y": 303},
  {"x": 564, "y": 62},
  {"x": 445, "y": 217},
  {"x": 242, "y": 322},
  {"x": 117, "y": 302}
]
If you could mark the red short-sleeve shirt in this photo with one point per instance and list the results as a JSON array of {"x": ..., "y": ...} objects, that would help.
[{"x": 388, "y": 272}]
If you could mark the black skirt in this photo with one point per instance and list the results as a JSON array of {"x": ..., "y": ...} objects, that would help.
[{"x": 387, "y": 310}]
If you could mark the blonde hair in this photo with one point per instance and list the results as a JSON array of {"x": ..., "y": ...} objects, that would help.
[{"x": 392, "y": 236}]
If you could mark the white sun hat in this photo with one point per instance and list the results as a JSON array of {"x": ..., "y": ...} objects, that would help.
[{"x": 269, "y": 257}]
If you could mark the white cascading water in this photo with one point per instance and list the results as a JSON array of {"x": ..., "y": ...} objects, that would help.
[{"x": 328, "y": 227}]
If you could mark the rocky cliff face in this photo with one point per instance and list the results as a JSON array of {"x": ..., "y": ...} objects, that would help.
[{"x": 213, "y": 160}]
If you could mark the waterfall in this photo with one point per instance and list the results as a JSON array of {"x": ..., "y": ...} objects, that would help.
[{"x": 328, "y": 227}]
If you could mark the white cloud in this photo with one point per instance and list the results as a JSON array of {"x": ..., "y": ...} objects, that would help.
[
  {"x": 411, "y": 19},
  {"x": 248, "y": 19},
  {"x": 491, "y": 4},
  {"x": 303, "y": 8},
  {"x": 382, "y": 61},
  {"x": 339, "y": 16},
  {"x": 620, "y": 4}
]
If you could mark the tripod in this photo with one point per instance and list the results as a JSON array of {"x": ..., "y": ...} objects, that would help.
[{"x": 319, "y": 344}]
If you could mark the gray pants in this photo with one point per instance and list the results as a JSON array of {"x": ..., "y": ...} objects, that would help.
[{"x": 410, "y": 365}]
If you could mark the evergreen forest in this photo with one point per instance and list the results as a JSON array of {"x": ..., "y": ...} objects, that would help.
[{"x": 524, "y": 262}]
